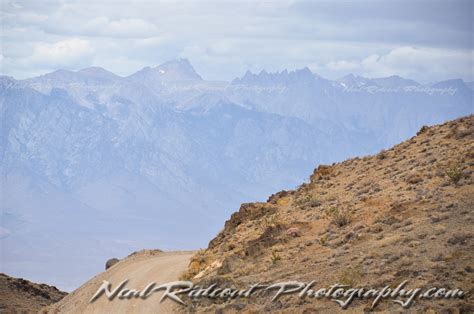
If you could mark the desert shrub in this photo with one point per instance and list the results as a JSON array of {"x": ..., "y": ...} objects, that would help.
[
  {"x": 314, "y": 202},
  {"x": 422, "y": 130},
  {"x": 301, "y": 201},
  {"x": 267, "y": 222},
  {"x": 275, "y": 257},
  {"x": 307, "y": 202},
  {"x": 230, "y": 247},
  {"x": 323, "y": 240},
  {"x": 339, "y": 217},
  {"x": 413, "y": 178},
  {"x": 454, "y": 173},
  {"x": 331, "y": 211},
  {"x": 382, "y": 155},
  {"x": 322, "y": 172}
]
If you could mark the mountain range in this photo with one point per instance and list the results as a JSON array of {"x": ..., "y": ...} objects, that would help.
[{"x": 95, "y": 165}]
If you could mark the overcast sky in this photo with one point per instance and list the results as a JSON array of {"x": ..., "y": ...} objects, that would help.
[{"x": 422, "y": 40}]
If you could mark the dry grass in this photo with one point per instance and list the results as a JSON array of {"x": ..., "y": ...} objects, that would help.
[{"x": 351, "y": 276}]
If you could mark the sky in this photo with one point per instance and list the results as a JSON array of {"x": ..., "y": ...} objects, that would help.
[{"x": 422, "y": 40}]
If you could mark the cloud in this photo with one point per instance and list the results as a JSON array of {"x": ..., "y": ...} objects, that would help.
[
  {"x": 32, "y": 18},
  {"x": 424, "y": 64},
  {"x": 65, "y": 54},
  {"x": 129, "y": 28},
  {"x": 68, "y": 53},
  {"x": 225, "y": 38},
  {"x": 343, "y": 65}
]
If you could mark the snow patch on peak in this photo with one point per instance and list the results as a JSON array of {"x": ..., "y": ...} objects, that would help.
[
  {"x": 179, "y": 70},
  {"x": 352, "y": 80}
]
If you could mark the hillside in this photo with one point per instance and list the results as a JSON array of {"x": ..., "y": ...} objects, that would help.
[
  {"x": 19, "y": 295},
  {"x": 403, "y": 214}
]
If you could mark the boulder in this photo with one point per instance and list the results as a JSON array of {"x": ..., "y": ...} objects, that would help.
[
  {"x": 111, "y": 262},
  {"x": 294, "y": 232}
]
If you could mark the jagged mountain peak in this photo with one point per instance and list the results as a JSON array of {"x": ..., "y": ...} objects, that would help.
[
  {"x": 352, "y": 80},
  {"x": 305, "y": 70},
  {"x": 6, "y": 81},
  {"x": 269, "y": 78},
  {"x": 180, "y": 62},
  {"x": 393, "y": 81},
  {"x": 173, "y": 70},
  {"x": 179, "y": 69},
  {"x": 350, "y": 77}
]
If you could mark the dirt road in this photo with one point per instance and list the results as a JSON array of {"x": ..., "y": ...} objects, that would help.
[{"x": 141, "y": 269}]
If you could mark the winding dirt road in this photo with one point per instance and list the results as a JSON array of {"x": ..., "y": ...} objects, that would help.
[{"x": 141, "y": 269}]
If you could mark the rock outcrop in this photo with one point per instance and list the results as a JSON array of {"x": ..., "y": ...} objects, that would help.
[{"x": 22, "y": 296}]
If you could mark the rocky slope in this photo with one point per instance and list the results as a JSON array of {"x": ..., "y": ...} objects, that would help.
[
  {"x": 403, "y": 214},
  {"x": 19, "y": 295}
]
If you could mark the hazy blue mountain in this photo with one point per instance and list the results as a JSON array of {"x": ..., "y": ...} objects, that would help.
[
  {"x": 470, "y": 84},
  {"x": 95, "y": 165},
  {"x": 380, "y": 111},
  {"x": 353, "y": 81},
  {"x": 394, "y": 81},
  {"x": 174, "y": 71}
]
